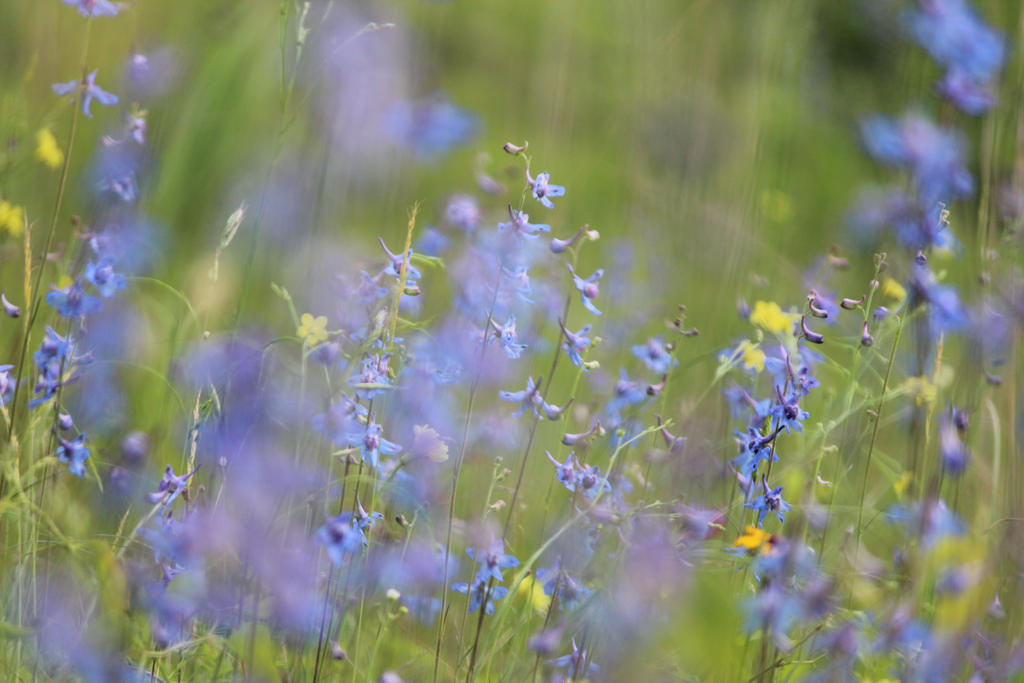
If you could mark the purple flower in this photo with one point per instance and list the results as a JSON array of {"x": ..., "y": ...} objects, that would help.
[
  {"x": 520, "y": 225},
  {"x": 94, "y": 8},
  {"x": 655, "y": 356},
  {"x": 527, "y": 398},
  {"x": 506, "y": 336},
  {"x": 770, "y": 501},
  {"x": 91, "y": 91},
  {"x": 74, "y": 453},
  {"x": 341, "y": 536},
  {"x": 171, "y": 486},
  {"x": 492, "y": 561},
  {"x": 542, "y": 189},
  {"x": 7, "y": 384},
  {"x": 73, "y": 302},
  {"x": 565, "y": 472},
  {"x": 478, "y": 592},
  {"x": 103, "y": 277},
  {"x": 371, "y": 443},
  {"x": 588, "y": 288},
  {"x": 10, "y": 310},
  {"x": 576, "y": 344}
]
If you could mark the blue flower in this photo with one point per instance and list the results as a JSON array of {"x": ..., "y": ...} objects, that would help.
[
  {"x": 10, "y": 310},
  {"x": 506, "y": 336},
  {"x": 103, "y": 277},
  {"x": 94, "y": 8},
  {"x": 565, "y": 472},
  {"x": 430, "y": 127},
  {"x": 171, "y": 486},
  {"x": 394, "y": 267},
  {"x": 341, "y": 536},
  {"x": 561, "y": 585},
  {"x": 542, "y": 189},
  {"x": 91, "y": 91},
  {"x": 372, "y": 443},
  {"x": 770, "y": 501},
  {"x": 527, "y": 398},
  {"x": 591, "y": 482},
  {"x": 577, "y": 663},
  {"x": 73, "y": 302},
  {"x": 477, "y": 592},
  {"x": 655, "y": 356},
  {"x": 373, "y": 378},
  {"x": 74, "y": 453},
  {"x": 7, "y": 384},
  {"x": 576, "y": 343},
  {"x": 588, "y": 288},
  {"x": 492, "y": 561},
  {"x": 520, "y": 225}
]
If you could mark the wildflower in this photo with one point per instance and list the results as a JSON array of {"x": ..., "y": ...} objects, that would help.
[
  {"x": 103, "y": 277},
  {"x": 171, "y": 486},
  {"x": 492, "y": 561},
  {"x": 770, "y": 317},
  {"x": 74, "y": 453},
  {"x": 463, "y": 211},
  {"x": 809, "y": 335},
  {"x": 7, "y": 384},
  {"x": 527, "y": 398},
  {"x": 788, "y": 414},
  {"x": 565, "y": 472},
  {"x": 542, "y": 189},
  {"x": 560, "y": 585},
  {"x": 520, "y": 225},
  {"x": 395, "y": 262},
  {"x": 430, "y": 127},
  {"x": 478, "y": 592},
  {"x": 770, "y": 501},
  {"x": 312, "y": 330},
  {"x": 91, "y": 91},
  {"x": 576, "y": 343},
  {"x": 373, "y": 378},
  {"x": 576, "y": 662},
  {"x": 655, "y": 355},
  {"x": 47, "y": 150},
  {"x": 752, "y": 539},
  {"x": 371, "y": 443},
  {"x": 94, "y": 8},
  {"x": 506, "y": 336},
  {"x": 341, "y": 536},
  {"x": 750, "y": 355},
  {"x": 954, "y": 451},
  {"x": 893, "y": 289},
  {"x": 588, "y": 288},
  {"x": 945, "y": 313},
  {"x": 342, "y": 418},
  {"x": 73, "y": 302},
  {"x": 10, "y": 310},
  {"x": 65, "y": 422},
  {"x": 12, "y": 219},
  {"x": 582, "y": 439},
  {"x": 591, "y": 482},
  {"x": 558, "y": 246}
]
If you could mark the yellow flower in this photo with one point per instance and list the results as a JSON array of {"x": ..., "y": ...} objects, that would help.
[
  {"x": 64, "y": 281},
  {"x": 752, "y": 538},
  {"x": 750, "y": 355},
  {"x": 768, "y": 316},
  {"x": 312, "y": 331},
  {"x": 893, "y": 289},
  {"x": 12, "y": 219},
  {"x": 532, "y": 590},
  {"x": 901, "y": 484},
  {"x": 47, "y": 150}
]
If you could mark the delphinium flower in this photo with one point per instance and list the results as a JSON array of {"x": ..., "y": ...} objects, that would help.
[
  {"x": 626, "y": 392},
  {"x": 372, "y": 444},
  {"x": 7, "y": 384},
  {"x": 10, "y": 310},
  {"x": 588, "y": 288},
  {"x": 562, "y": 586},
  {"x": 520, "y": 226},
  {"x": 971, "y": 52},
  {"x": 341, "y": 419},
  {"x": 395, "y": 261},
  {"x": 655, "y": 355},
  {"x": 478, "y": 591},
  {"x": 373, "y": 377},
  {"x": 94, "y": 8},
  {"x": 90, "y": 92},
  {"x": 542, "y": 189},
  {"x": 953, "y": 450},
  {"x": 590, "y": 481},
  {"x": 73, "y": 302},
  {"x": 528, "y": 398},
  {"x": 74, "y": 453},
  {"x": 565, "y": 472},
  {"x": 576, "y": 663},
  {"x": 770, "y": 501},
  {"x": 506, "y": 336},
  {"x": 54, "y": 359},
  {"x": 341, "y": 536},
  {"x": 945, "y": 312},
  {"x": 171, "y": 486},
  {"x": 463, "y": 212},
  {"x": 430, "y": 127},
  {"x": 492, "y": 560},
  {"x": 103, "y": 277}
]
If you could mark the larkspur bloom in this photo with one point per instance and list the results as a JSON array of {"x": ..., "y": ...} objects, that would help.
[
  {"x": 74, "y": 453},
  {"x": 542, "y": 188},
  {"x": 576, "y": 344},
  {"x": 341, "y": 536},
  {"x": 770, "y": 501},
  {"x": 373, "y": 377},
  {"x": 394, "y": 267},
  {"x": 655, "y": 356},
  {"x": 506, "y": 336},
  {"x": 492, "y": 560},
  {"x": 590, "y": 481},
  {"x": 478, "y": 592},
  {"x": 73, "y": 302},
  {"x": 103, "y": 277},
  {"x": 577, "y": 664},
  {"x": 90, "y": 92},
  {"x": 588, "y": 288},
  {"x": 528, "y": 398},
  {"x": 10, "y": 310},
  {"x": 53, "y": 359},
  {"x": 372, "y": 444},
  {"x": 561, "y": 585},
  {"x": 171, "y": 486},
  {"x": 94, "y": 8},
  {"x": 520, "y": 225},
  {"x": 565, "y": 472},
  {"x": 7, "y": 384}
]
